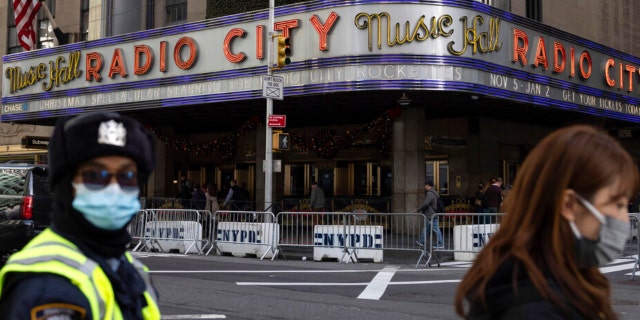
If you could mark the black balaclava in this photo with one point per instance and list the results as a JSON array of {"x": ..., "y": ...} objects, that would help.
[{"x": 78, "y": 139}]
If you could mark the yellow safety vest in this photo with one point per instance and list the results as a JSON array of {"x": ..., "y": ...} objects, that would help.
[{"x": 51, "y": 253}]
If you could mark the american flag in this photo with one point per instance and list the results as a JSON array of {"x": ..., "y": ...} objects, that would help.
[{"x": 25, "y": 12}]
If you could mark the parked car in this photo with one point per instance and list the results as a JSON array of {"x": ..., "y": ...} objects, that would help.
[{"x": 25, "y": 204}]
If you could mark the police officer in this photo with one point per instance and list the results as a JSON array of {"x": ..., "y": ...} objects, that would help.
[{"x": 79, "y": 268}]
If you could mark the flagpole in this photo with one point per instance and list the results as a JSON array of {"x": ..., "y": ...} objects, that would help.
[
  {"x": 48, "y": 12},
  {"x": 61, "y": 37}
]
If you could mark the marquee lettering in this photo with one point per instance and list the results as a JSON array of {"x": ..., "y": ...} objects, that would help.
[
  {"x": 323, "y": 29},
  {"x": 193, "y": 53},
  {"x": 439, "y": 27},
  {"x": 286, "y": 26},
  {"x": 226, "y": 47},
  {"x": 469, "y": 35},
  {"x": 143, "y": 60},
  {"x": 259, "y": 42},
  {"x": 541, "y": 58},
  {"x": 59, "y": 73},
  {"x": 610, "y": 76},
  {"x": 142, "y": 53},
  {"x": 19, "y": 80},
  {"x": 482, "y": 42},
  {"x": 93, "y": 65},
  {"x": 117, "y": 64}
]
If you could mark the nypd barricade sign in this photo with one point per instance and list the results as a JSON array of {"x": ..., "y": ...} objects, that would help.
[
  {"x": 183, "y": 236},
  {"x": 247, "y": 238},
  {"x": 470, "y": 239},
  {"x": 330, "y": 241}
]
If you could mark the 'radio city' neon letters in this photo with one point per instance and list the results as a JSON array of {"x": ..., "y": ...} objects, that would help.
[
  {"x": 521, "y": 49},
  {"x": 94, "y": 60}
]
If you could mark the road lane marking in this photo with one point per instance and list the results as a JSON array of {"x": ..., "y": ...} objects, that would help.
[
  {"x": 378, "y": 285},
  {"x": 616, "y": 268},
  {"x": 299, "y": 271},
  {"x": 299, "y": 284},
  {"x": 193, "y": 316},
  {"x": 261, "y": 271}
]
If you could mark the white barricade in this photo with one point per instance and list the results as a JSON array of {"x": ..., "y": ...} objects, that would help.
[
  {"x": 166, "y": 230},
  {"x": 338, "y": 241},
  {"x": 470, "y": 239},
  {"x": 242, "y": 238},
  {"x": 175, "y": 235}
]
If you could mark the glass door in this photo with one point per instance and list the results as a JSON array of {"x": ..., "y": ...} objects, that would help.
[{"x": 438, "y": 172}]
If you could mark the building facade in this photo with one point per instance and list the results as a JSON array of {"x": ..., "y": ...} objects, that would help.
[{"x": 378, "y": 98}]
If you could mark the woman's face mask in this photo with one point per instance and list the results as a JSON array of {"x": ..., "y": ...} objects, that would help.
[{"x": 612, "y": 238}]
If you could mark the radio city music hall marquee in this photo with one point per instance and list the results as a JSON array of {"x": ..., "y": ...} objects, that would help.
[{"x": 402, "y": 29}]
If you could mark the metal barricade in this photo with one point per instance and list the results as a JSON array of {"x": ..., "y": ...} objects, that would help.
[
  {"x": 632, "y": 246},
  {"x": 356, "y": 235},
  {"x": 463, "y": 234},
  {"x": 136, "y": 229},
  {"x": 174, "y": 229}
]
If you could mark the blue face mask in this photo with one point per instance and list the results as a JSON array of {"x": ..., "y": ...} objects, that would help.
[{"x": 109, "y": 208}]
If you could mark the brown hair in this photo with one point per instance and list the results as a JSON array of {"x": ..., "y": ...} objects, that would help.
[{"x": 534, "y": 235}]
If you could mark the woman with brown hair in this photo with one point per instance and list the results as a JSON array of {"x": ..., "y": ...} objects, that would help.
[{"x": 565, "y": 216}]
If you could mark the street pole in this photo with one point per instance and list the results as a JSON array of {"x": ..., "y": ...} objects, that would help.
[{"x": 268, "y": 171}]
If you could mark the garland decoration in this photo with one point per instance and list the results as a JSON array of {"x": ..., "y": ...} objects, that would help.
[
  {"x": 326, "y": 143},
  {"x": 223, "y": 147}
]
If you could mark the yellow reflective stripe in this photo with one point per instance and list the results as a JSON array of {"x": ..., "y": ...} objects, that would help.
[
  {"x": 151, "y": 311},
  {"x": 51, "y": 253},
  {"x": 65, "y": 261}
]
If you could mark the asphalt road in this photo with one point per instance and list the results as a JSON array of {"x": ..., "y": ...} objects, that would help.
[{"x": 225, "y": 287}]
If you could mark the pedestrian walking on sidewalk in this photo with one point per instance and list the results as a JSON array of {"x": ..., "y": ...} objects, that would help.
[{"x": 429, "y": 209}]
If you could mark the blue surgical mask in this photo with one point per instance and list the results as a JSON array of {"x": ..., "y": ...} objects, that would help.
[{"x": 109, "y": 208}]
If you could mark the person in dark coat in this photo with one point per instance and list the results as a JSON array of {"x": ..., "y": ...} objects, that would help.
[
  {"x": 79, "y": 268},
  {"x": 560, "y": 226},
  {"x": 199, "y": 199}
]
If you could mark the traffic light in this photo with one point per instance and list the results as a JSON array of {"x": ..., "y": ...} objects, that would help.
[
  {"x": 283, "y": 52},
  {"x": 281, "y": 141}
]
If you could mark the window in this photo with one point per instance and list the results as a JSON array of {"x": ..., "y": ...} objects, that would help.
[
  {"x": 502, "y": 4},
  {"x": 150, "y": 21},
  {"x": 534, "y": 9},
  {"x": 297, "y": 179},
  {"x": 509, "y": 171},
  {"x": 176, "y": 12},
  {"x": 84, "y": 20},
  {"x": 12, "y": 181},
  {"x": 44, "y": 30},
  {"x": 13, "y": 45}
]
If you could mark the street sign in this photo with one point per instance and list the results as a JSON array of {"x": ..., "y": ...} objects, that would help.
[
  {"x": 277, "y": 165},
  {"x": 277, "y": 121},
  {"x": 273, "y": 87}
]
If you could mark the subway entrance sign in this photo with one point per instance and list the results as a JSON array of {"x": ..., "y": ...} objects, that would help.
[{"x": 277, "y": 121}]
